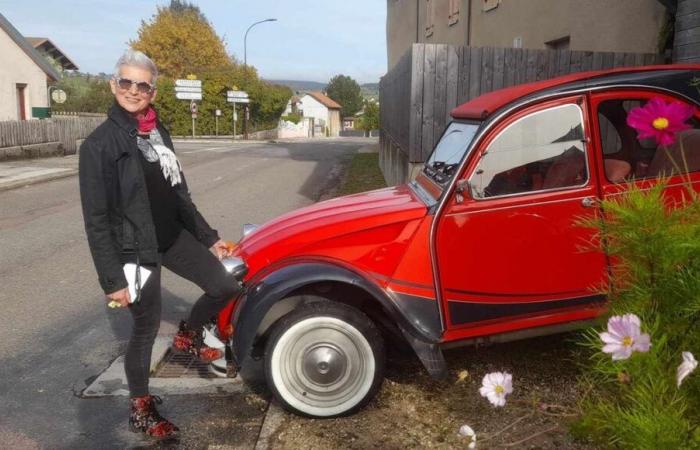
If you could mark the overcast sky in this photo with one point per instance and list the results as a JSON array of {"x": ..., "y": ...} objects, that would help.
[{"x": 312, "y": 40}]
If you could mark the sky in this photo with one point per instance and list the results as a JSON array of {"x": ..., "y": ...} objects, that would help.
[{"x": 311, "y": 40}]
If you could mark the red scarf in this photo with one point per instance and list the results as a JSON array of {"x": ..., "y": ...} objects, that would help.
[{"x": 147, "y": 121}]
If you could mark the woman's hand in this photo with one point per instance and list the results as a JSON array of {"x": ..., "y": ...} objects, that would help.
[
  {"x": 223, "y": 248},
  {"x": 120, "y": 298}
]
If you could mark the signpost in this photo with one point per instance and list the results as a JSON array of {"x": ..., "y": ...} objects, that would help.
[
  {"x": 189, "y": 89},
  {"x": 217, "y": 113},
  {"x": 236, "y": 96}
]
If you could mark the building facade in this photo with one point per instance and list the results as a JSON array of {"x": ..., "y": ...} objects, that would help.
[
  {"x": 324, "y": 111},
  {"x": 23, "y": 75},
  {"x": 588, "y": 25}
]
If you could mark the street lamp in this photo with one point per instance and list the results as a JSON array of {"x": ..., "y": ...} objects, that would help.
[
  {"x": 245, "y": 39},
  {"x": 245, "y": 68}
]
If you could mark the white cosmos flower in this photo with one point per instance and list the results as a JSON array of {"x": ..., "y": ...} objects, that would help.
[
  {"x": 686, "y": 368},
  {"x": 467, "y": 432},
  {"x": 495, "y": 387}
]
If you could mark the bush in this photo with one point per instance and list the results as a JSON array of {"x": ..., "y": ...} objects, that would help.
[
  {"x": 635, "y": 403},
  {"x": 294, "y": 118}
]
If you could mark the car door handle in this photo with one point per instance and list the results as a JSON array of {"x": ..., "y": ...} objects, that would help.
[{"x": 588, "y": 202}]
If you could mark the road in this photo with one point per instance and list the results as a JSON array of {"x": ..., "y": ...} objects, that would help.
[{"x": 56, "y": 335}]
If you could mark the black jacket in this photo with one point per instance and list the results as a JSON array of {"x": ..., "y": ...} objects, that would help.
[{"x": 116, "y": 209}]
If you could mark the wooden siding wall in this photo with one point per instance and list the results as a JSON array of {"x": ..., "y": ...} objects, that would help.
[
  {"x": 417, "y": 95},
  {"x": 64, "y": 130},
  {"x": 686, "y": 41}
]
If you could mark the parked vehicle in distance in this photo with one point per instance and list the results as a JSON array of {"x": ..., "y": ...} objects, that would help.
[{"x": 482, "y": 246}]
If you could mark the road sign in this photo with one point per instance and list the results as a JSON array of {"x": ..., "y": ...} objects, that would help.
[
  {"x": 187, "y": 89},
  {"x": 236, "y": 94},
  {"x": 188, "y": 95},
  {"x": 237, "y": 100},
  {"x": 217, "y": 112},
  {"x": 188, "y": 83},
  {"x": 193, "y": 107}
]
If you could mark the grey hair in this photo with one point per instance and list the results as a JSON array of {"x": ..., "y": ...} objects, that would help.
[{"x": 136, "y": 58}]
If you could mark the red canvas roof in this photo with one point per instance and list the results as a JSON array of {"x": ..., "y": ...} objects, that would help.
[{"x": 482, "y": 106}]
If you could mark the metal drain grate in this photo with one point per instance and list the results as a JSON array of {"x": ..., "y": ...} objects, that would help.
[{"x": 178, "y": 365}]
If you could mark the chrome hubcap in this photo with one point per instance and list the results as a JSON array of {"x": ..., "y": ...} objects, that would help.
[{"x": 324, "y": 364}]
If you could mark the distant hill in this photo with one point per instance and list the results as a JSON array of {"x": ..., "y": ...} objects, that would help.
[
  {"x": 368, "y": 89},
  {"x": 299, "y": 85}
]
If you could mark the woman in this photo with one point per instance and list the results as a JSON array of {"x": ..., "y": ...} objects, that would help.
[{"x": 137, "y": 208}]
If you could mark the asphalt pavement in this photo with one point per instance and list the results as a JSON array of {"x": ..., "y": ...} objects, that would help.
[{"x": 56, "y": 334}]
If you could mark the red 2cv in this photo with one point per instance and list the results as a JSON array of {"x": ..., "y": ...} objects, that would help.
[{"x": 482, "y": 246}]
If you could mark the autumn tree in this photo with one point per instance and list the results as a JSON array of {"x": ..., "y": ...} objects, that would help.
[
  {"x": 345, "y": 91},
  {"x": 180, "y": 40}
]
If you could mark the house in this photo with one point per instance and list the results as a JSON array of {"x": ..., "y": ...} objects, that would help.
[
  {"x": 324, "y": 111},
  {"x": 52, "y": 53},
  {"x": 292, "y": 106},
  {"x": 630, "y": 26},
  {"x": 349, "y": 123},
  {"x": 24, "y": 75}
]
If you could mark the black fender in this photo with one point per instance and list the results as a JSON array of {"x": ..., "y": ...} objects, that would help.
[{"x": 417, "y": 318}]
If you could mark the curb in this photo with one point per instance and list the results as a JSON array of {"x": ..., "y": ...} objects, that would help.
[
  {"x": 274, "y": 417},
  {"x": 37, "y": 179}
]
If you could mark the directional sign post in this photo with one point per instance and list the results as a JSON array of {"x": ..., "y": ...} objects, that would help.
[
  {"x": 189, "y": 90},
  {"x": 234, "y": 97}
]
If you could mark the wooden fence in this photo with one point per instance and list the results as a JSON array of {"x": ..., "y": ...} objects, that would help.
[
  {"x": 417, "y": 95},
  {"x": 63, "y": 131},
  {"x": 686, "y": 43}
]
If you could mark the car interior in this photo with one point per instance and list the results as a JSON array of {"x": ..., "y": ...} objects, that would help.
[{"x": 626, "y": 157}]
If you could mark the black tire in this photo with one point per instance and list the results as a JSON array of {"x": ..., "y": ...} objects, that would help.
[{"x": 325, "y": 359}]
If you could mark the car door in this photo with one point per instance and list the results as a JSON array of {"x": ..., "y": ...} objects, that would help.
[
  {"x": 624, "y": 160},
  {"x": 509, "y": 251}
]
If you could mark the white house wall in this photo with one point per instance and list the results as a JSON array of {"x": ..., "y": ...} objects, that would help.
[
  {"x": 314, "y": 108},
  {"x": 16, "y": 68}
]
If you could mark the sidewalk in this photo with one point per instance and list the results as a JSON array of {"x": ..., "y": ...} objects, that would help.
[{"x": 24, "y": 172}]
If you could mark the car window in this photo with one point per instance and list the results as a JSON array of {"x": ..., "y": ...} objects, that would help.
[
  {"x": 449, "y": 151},
  {"x": 626, "y": 157},
  {"x": 541, "y": 151}
]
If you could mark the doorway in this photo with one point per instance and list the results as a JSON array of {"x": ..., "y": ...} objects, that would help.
[{"x": 21, "y": 106}]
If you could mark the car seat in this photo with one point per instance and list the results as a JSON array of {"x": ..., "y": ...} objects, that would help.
[{"x": 667, "y": 161}]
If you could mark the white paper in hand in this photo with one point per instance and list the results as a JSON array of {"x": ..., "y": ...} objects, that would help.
[{"x": 130, "y": 274}]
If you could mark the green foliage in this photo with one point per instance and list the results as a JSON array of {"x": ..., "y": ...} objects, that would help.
[
  {"x": 347, "y": 93},
  {"x": 181, "y": 41},
  {"x": 84, "y": 93},
  {"x": 267, "y": 102},
  {"x": 294, "y": 118},
  {"x": 655, "y": 246},
  {"x": 370, "y": 117}
]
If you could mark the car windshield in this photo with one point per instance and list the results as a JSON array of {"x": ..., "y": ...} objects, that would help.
[{"x": 448, "y": 153}]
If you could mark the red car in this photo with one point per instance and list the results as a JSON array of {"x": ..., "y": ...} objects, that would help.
[{"x": 482, "y": 246}]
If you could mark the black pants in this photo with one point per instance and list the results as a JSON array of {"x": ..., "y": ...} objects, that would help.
[{"x": 193, "y": 261}]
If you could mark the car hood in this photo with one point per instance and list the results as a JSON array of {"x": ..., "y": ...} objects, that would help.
[{"x": 289, "y": 234}]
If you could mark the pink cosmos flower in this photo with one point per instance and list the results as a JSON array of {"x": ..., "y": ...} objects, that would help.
[
  {"x": 495, "y": 386},
  {"x": 660, "y": 120},
  {"x": 624, "y": 337}
]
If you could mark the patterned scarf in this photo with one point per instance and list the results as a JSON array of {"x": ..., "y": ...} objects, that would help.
[{"x": 154, "y": 149}]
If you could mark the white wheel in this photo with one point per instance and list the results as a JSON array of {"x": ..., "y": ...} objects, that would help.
[{"x": 324, "y": 360}]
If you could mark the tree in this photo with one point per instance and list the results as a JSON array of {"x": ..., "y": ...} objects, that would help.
[
  {"x": 84, "y": 93},
  {"x": 180, "y": 40},
  {"x": 370, "y": 118},
  {"x": 345, "y": 91}
]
